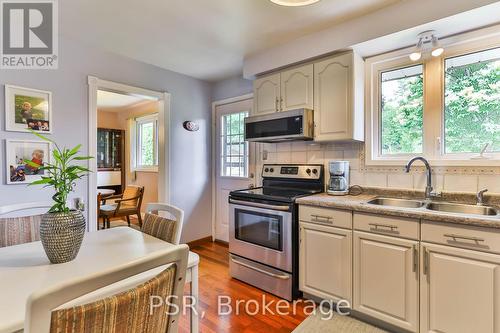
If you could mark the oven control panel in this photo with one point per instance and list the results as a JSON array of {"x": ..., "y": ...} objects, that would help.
[{"x": 298, "y": 171}]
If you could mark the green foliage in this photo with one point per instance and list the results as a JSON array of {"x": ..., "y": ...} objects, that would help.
[
  {"x": 472, "y": 107},
  {"x": 402, "y": 115},
  {"x": 472, "y": 110},
  {"x": 62, "y": 174},
  {"x": 147, "y": 144}
]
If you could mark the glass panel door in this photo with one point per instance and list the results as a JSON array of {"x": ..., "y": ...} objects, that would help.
[{"x": 259, "y": 228}]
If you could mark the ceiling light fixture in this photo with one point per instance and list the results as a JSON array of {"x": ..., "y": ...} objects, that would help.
[
  {"x": 437, "y": 50},
  {"x": 426, "y": 40},
  {"x": 294, "y": 3},
  {"x": 417, "y": 54}
]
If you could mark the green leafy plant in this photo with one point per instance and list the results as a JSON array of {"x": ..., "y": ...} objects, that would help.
[{"x": 61, "y": 174}]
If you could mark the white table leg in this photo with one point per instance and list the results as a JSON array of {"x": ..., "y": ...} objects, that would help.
[{"x": 194, "y": 293}]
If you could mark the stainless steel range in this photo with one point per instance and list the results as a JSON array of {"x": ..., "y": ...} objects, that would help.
[{"x": 263, "y": 230}]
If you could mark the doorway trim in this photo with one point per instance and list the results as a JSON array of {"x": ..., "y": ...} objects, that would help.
[
  {"x": 95, "y": 84},
  {"x": 214, "y": 150}
]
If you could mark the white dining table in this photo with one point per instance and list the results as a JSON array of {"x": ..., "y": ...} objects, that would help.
[{"x": 25, "y": 269}]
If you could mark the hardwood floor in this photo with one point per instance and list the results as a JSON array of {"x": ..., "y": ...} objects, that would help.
[{"x": 214, "y": 280}]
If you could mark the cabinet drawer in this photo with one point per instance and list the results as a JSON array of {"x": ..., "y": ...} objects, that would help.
[
  {"x": 463, "y": 236},
  {"x": 326, "y": 216},
  {"x": 387, "y": 225}
]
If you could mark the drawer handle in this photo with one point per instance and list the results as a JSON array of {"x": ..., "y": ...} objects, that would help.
[
  {"x": 455, "y": 237},
  {"x": 277, "y": 276},
  {"x": 322, "y": 218},
  {"x": 387, "y": 226}
]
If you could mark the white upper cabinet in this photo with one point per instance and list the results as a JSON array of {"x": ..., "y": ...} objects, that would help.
[
  {"x": 266, "y": 94},
  {"x": 333, "y": 88},
  {"x": 338, "y": 98},
  {"x": 297, "y": 88},
  {"x": 459, "y": 290}
]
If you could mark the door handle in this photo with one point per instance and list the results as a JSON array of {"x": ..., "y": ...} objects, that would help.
[
  {"x": 426, "y": 261},
  {"x": 415, "y": 258},
  {"x": 258, "y": 205}
]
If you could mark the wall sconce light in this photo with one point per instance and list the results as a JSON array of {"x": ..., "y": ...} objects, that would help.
[{"x": 426, "y": 38}]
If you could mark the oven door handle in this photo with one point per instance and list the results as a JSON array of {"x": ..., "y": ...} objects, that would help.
[
  {"x": 277, "y": 276},
  {"x": 259, "y": 205}
]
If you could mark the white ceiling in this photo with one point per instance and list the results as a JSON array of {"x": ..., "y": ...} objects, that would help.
[
  {"x": 111, "y": 101},
  {"x": 206, "y": 39}
]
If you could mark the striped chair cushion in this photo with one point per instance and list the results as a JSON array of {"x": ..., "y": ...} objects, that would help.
[
  {"x": 126, "y": 312},
  {"x": 159, "y": 227},
  {"x": 19, "y": 230}
]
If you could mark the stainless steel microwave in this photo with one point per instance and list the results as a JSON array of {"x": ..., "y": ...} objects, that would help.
[{"x": 280, "y": 126}]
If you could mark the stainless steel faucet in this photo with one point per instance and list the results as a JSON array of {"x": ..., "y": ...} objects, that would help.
[
  {"x": 428, "y": 189},
  {"x": 480, "y": 197}
]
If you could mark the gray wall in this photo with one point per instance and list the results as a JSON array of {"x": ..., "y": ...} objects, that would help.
[
  {"x": 232, "y": 87},
  {"x": 190, "y": 151}
]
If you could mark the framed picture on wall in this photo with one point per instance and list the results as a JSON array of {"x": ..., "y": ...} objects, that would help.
[
  {"x": 20, "y": 151},
  {"x": 27, "y": 108}
]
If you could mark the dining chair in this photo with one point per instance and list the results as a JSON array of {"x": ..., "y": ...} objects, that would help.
[
  {"x": 20, "y": 223},
  {"x": 130, "y": 311},
  {"x": 126, "y": 204},
  {"x": 167, "y": 228}
]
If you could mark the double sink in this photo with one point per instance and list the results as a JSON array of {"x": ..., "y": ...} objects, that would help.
[{"x": 436, "y": 206}]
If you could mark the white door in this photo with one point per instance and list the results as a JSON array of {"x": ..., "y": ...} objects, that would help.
[
  {"x": 234, "y": 160},
  {"x": 459, "y": 290},
  {"x": 325, "y": 266},
  {"x": 386, "y": 279},
  {"x": 297, "y": 88},
  {"x": 266, "y": 92}
]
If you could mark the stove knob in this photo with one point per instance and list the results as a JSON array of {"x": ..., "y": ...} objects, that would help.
[
  {"x": 308, "y": 171},
  {"x": 272, "y": 170},
  {"x": 266, "y": 170},
  {"x": 315, "y": 171}
]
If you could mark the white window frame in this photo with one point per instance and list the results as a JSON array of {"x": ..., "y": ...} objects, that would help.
[
  {"x": 136, "y": 144},
  {"x": 433, "y": 68},
  {"x": 246, "y": 154}
]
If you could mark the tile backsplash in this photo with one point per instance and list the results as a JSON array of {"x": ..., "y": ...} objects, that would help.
[{"x": 461, "y": 179}]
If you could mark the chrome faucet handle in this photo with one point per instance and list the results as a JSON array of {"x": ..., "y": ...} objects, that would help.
[{"x": 480, "y": 196}]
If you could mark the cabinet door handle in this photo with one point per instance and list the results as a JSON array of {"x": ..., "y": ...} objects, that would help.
[
  {"x": 387, "y": 226},
  {"x": 415, "y": 258},
  {"x": 277, "y": 104},
  {"x": 281, "y": 104},
  {"x": 322, "y": 219},
  {"x": 426, "y": 261},
  {"x": 455, "y": 237}
]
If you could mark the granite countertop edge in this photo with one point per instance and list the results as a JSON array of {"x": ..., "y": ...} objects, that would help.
[{"x": 359, "y": 203}]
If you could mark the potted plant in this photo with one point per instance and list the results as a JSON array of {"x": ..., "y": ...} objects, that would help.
[{"x": 61, "y": 229}]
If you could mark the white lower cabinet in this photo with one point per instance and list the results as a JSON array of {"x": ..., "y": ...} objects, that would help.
[
  {"x": 460, "y": 290},
  {"x": 386, "y": 279},
  {"x": 325, "y": 266}
]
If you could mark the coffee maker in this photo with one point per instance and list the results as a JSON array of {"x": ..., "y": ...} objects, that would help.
[{"x": 339, "y": 178}]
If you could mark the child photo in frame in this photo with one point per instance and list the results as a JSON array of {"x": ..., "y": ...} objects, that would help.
[{"x": 27, "y": 108}]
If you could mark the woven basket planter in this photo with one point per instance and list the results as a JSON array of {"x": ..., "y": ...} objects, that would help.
[{"x": 61, "y": 235}]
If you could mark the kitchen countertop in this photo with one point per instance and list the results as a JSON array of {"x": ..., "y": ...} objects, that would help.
[{"x": 359, "y": 203}]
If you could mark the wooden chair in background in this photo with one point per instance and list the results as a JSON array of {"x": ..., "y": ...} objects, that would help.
[{"x": 126, "y": 204}]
